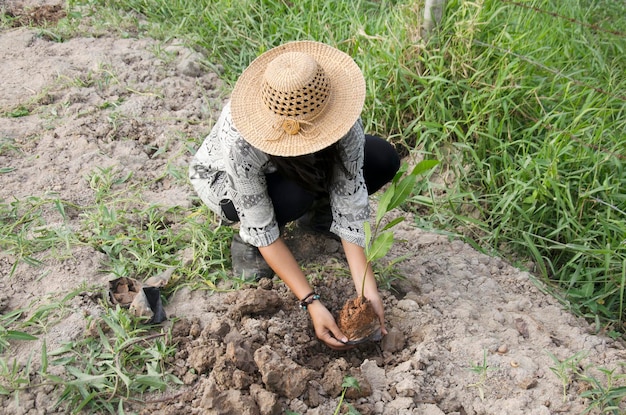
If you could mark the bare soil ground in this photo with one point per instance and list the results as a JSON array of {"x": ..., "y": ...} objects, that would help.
[{"x": 252, "y": 351}]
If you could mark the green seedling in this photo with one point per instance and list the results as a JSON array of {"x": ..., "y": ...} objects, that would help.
[
  {"x": 480, "y": 370},
  {"x": 388, "y": 273},
  {"x": 566, "y": 369},
  {"x": 8, "y": 333},
  {"x": 24, "y": 230},
  {"x": 379, "y": 239},
  {"x": 348, "y": 382},
  {"x": 19, "y": 112},
  {"x": 122, "y": 361},
  {"x": 605, "y": 396},
  {"x": 14, "y": 376}
]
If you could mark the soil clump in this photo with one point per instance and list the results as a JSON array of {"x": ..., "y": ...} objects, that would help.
[{"x": 358, "y": 321}]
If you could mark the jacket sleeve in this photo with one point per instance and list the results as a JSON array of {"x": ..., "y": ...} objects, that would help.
[
  {"x": 245, "y": 169},
  {"x": 348, "y": 193}
]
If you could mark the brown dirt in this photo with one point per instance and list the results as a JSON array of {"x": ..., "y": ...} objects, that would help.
[
  {"x": 357, "y": 319},
  {"x": 134, "y": 105},
  {"x": 35, "y": 15}
]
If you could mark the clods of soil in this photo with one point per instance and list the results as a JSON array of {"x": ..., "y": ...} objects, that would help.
[
  {"x": 123, "y": 291},
  {"x": 34, "y": 14}
]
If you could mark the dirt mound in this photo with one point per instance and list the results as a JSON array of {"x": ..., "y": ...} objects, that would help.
[{"x": 468, "y": 333}]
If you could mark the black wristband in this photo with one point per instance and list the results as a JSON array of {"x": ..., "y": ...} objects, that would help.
[{"x": 308, "y": 299}]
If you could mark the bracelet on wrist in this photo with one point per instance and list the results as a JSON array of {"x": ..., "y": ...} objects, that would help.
[{"x": 308, "y": 299}]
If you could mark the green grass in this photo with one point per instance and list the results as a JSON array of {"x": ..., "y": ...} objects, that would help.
[
  {"x": 535, "y": 128},
  {"x": 142, "y": 240},
  {"x": 602, "y": 387},
  {"x": 27, "y": 231},
  {"x": 119, "y": 361},
  {"x": 105, "y": 370}
]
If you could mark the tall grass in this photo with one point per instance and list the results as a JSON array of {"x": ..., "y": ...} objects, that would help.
[{"x": 532, "y": 107}]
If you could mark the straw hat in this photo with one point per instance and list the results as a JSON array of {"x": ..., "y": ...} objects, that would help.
[{"x": 298, "y": 98}]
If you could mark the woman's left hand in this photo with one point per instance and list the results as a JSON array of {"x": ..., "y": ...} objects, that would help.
[
  {"x": 377, "y": 303},
  {"x": 359, "y": 268}
]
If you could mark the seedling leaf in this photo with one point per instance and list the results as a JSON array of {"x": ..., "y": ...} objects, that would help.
[
  {"x": 350, "y": 382},
  {"x": 393, "y": 223},
  {"x": 19, "y": 335},
  {"x": 403, "y": 190},
  {"x": 423, "y": 166},
  {"x": 383, "y": 203},
  {"x": 380, "y": 246}
]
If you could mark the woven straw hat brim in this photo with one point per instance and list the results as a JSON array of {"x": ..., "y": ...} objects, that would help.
[{"x": 257, "y": 124}]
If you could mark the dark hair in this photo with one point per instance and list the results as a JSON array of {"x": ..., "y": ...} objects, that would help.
[{"x": 314, "y": 171}]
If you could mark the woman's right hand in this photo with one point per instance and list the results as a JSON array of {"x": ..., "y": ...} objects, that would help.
[
  {"x": 325, "y": 327},
  {"x": 279, "y": 257}
]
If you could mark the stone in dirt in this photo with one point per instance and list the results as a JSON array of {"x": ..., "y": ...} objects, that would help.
[{"x": 281, "y": 374}]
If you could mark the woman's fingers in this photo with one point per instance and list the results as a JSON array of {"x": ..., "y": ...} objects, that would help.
[
  {"x": 332, "y": 342},
  {"x": 383, "y": 329},
  {"x": 379, "y": 309},
  {"x": 326, "y": 328},
  {"x": 337, "y": 334}
]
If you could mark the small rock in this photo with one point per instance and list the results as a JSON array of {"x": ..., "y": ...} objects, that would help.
[
  {"x": 281, "y": 374},
  {"x": 401, "y": 405},
  {"x": 429, "y": 409},
  {"x": 408, "y": 305},
  {"x": 333, "y": 377},
  {"x": 190, "y": 377},
  {"x": 527, "y": 383},
  {"x": 407, "y": 387},
  {"x": 266, "y": 284},
  {"x": 375, "y": 375},
  {"x": 203, "y": 357},
  {"x": 218, "y": 328},
  {"x": 314, "y": 398},
  {"x": 255, "y": 301},
  {"x": 229, "y": 402},
  {"x": 394, "y": 341},
  {"x": 190, "y": 65},
  {"x": 227, "y": 376},
  {"x": 195, "y": 330},
  {"x": 241, "y": 356},
  {"x": 267, "y": 401}
]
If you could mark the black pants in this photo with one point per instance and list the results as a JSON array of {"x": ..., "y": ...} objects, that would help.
[{"x": 291, "y": 201}]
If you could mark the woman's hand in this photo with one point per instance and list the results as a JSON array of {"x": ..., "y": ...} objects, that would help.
[
  {"x": 373, "y": 296},
  {"x": 359, "y": 268},
  {"x": 282, "y": 261},
  {"x": 325, "y": 326}
]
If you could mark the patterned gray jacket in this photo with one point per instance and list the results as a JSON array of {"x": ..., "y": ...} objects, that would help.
[{"x": 227, "y": 167}]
